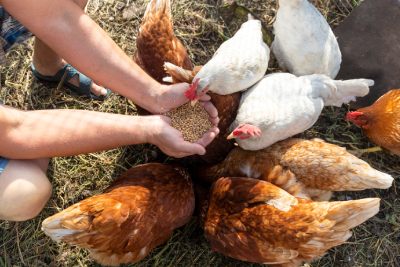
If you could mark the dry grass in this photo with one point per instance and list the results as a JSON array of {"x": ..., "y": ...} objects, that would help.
[{"x": 200, "y": 26}]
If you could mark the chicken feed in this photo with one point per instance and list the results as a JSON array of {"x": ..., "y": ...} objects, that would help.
[{"x": 192, "y": 122}]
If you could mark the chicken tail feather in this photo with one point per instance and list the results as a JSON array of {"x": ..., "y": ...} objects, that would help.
[
  {"x": 67, "y": 223},
  {"x": 178, "y": 74},
  {"x": 367, "y": 177},
  {"x": 346, "y": 91},
  {"x": 349, "y": 214}
]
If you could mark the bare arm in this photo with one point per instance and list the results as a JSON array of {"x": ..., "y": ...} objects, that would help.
[
  {"x": 51, "y": 133},
  {"x": 64, "y": 27}
]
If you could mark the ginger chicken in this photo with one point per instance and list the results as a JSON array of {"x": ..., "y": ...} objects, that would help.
[
  {"x": 381, "y": 121},
  {"x": 137, "y": 213},
  {"x": 156, "y": 42},
  {"x": 282, "y": 105},
  {"x": 304, "y": 168},
  {"x": 304, "y": 43},
  {"x": 238, "y": 63},
  {"x": 255, "y": 221}
]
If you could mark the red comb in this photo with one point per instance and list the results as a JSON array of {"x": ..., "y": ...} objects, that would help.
[
  {"x": 350, "y": 116},
  {"x": 246, "y": 131},
  {"x": 191, "y": 93}
]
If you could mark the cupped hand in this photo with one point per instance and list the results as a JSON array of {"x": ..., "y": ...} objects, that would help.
[
  {"x": 171, "y": 141},
  {"x": 173, "y": 96}
]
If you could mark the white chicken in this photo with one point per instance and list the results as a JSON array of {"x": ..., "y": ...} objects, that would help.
[
  {"x": 238, "y": 63},
  {"x": 304, "y": 43},
  {"x": 282, "y": 105}
]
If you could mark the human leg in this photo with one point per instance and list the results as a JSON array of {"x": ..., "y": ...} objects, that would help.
[
  {"x": 24, "y": 189},
  {"x": 48, "y": 63}
]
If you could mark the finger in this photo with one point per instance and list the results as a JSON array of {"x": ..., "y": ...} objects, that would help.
[
  {"x": 176, "y": 95},
  {"x": 166, "y": 119},
  {"x": 179, "y": 155},
  {"x": 191, "y": 148},
  {"x": 205, "y": 97},
  {"x": 181, "y": 87},
  {"x": 210, "y": 108},
  {"x": 214, "y": 121},
  {"x": 208, "y": 137}
]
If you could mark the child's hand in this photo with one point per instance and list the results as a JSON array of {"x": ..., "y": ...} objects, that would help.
[{"x": 170, "y": 141}]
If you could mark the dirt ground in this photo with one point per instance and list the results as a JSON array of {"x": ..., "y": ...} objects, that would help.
[{"x": 203, "y": 26}]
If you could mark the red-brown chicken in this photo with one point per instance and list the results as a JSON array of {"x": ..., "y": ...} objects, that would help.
[
  {"x": 156, "y": 45},
  {"x": 304, "y": 168},
  {"x": 156, "y": 42},
  {"x": 135, "y": 214},
  {"x": 381, "y": 121},
  {"x": 253, "y": 220}
]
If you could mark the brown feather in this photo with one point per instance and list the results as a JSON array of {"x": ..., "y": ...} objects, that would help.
[
  {"x": 156, "y": 42},
  {"x": 304, "y": 168},
  {"x": 383, "y": 121},
  {"x": 255, "y": 221},
  {"x": 135, "y": 214}
]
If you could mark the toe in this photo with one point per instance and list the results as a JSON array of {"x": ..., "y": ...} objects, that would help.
[{"x": 98, "y": 90}]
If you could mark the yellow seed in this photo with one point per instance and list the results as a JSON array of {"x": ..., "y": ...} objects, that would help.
[{"x": 192, "y": 122}]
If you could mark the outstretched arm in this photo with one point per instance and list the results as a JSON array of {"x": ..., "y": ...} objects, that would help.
[
  {"x": 51, "y": 133},
  {"x": 64, "y": 27}
]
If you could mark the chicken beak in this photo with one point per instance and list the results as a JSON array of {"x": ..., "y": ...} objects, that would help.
[
  {"x": 231, "y": 136},
  {"x": 194, "y": 102}
]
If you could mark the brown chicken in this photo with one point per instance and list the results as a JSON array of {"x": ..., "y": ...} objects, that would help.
[
  {"x": 381, "y": 121},
  {"x": 156, "y": 45},
  {"x": 135, "y": 214},
  {"x": 227, "y": 106},
  {"x": 255, "y": 221},
  {"x": 156, "y": 42},
  {"x": 304, "y": 168}
]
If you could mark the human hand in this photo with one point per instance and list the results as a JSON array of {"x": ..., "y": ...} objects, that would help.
[
  {"x": 171, "y": 142},
  {"x": 173, "y": 96}
]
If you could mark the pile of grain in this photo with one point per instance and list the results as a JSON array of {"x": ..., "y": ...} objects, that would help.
[{"x": 191, "y": 121}]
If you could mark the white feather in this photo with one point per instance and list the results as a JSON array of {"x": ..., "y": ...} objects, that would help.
[
  {"x": 239, "y": 62},
  {"x": 283, "y": 105},
  {"x": 304, "y": 43}
]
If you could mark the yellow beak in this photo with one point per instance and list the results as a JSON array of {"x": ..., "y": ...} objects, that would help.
[{"x": 231, "y": 136}]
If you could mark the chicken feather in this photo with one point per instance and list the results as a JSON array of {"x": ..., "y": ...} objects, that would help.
[
  {"x": 238, "y": 63},
  {"x": 381, "y": 121},
  {"x": 135, "y": 214},
  {"x": 241, "y": 222},
  {"x": 282, "y": 105},
  {"x": 304, "y": 168},
  {"x": 156, "y": 42},
  {"x": 304, "y": 43}
]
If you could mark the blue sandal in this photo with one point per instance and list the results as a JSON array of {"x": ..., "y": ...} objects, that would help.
[{"x": 67, "y": 73}]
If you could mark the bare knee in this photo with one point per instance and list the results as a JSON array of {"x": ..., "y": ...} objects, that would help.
[{"x": 24, "y": 190}]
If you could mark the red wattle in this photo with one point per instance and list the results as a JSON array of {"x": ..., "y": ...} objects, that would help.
[
  {"x": 353, "y": 115},
  {"x": 191, "y": 93}
]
